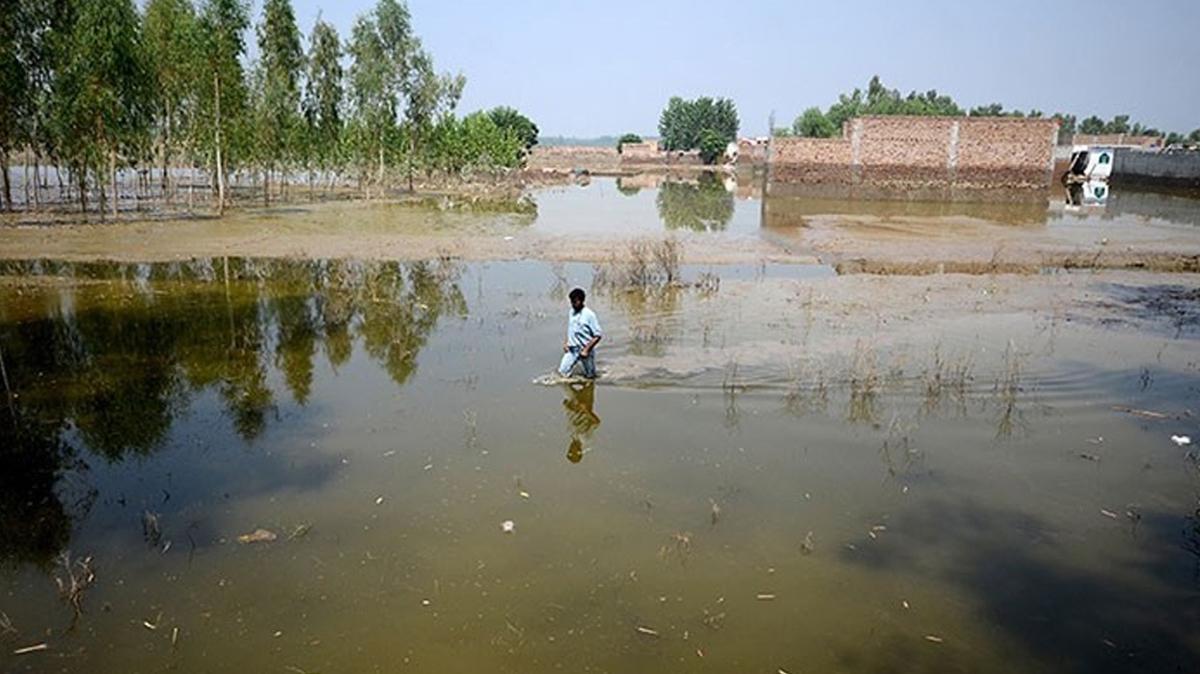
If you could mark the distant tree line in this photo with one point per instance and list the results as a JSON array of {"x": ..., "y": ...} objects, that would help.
[
  {"x": 877, "y": 99},
  {"x": 93, "y": 88}
]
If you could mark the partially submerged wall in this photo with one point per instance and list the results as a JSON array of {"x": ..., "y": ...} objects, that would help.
[
  {"x": 647, "y": 155},
  {"x": 922, "y": 152},
  {"x": 633, "y": 157},
  {"x": 1170, "y": 169},
  {"x": 572, "y": 157},
  {"x": 1118, "y": 140},
  {"x": 647, "y": 149}
]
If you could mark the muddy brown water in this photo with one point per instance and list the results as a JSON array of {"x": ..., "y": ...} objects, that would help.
[{"x": 788, "y": 472}]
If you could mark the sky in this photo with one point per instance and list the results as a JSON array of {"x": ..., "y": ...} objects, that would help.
[{"x": 582, "y": 68}]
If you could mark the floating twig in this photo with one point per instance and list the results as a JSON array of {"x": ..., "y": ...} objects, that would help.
[
  {"x": 31, "y": 649},
  {"x": 1146, "y": 414},
  {"x": 79, "y": 576}
]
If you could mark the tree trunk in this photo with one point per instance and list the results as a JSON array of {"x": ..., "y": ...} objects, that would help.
[
  {"x": 103, "y": 204},
  {"x": 412, "y": 151},
  {"x": 7, "y": 186},
  {"x": 166, "y": 152},
  {"x": 381, "y": 162},
  {"x": 82, "y": 180},
  {"x": 220, "y": 165},
  {"x": 267, "y": 187},
  {"x": 112, "y": 171},
  {"x": 37, "y": 190}
]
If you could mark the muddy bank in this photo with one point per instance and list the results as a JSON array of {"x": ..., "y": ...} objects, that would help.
[
  {"x": 362, "y": 230},
  {"x": 908, "y": 244}
]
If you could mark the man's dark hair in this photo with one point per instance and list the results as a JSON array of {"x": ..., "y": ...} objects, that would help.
[{"x": 578, "y": 294}]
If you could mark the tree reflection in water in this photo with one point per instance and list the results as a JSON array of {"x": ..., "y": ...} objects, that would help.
[
  {"x": 106, "y": 356},
  {"x": 704, "y": 205}
]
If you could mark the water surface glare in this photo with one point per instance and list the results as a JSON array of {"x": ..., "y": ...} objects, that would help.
[{"x": 755, "y": 484}]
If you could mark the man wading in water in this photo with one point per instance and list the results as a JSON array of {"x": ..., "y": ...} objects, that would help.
[{"x": 583, "y": 333}]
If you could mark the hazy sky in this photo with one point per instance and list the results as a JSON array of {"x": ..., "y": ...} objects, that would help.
[{"x": 583, "y": 68}]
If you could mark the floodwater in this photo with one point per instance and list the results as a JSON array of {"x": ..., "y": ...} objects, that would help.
[
  {"x": 733, "y": 207},
  {"x": 778, "y": 471}
]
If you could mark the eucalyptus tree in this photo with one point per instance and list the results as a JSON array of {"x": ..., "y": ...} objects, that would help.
[
  {"x": 282, "y": 62},
  {"x": 171, "y": 48},
  {"x": 426, "y": 95},
  {"x": 323, "y": 96},
  {"x": 17, "y": 26},
  {"x": 101, "y": 87},
  {"x": 372, "y": 91},
  {"x": 222, "y": 88}
]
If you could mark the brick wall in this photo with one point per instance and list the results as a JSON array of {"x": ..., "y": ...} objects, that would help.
[
  {"x": 566, "y": 158},
  {"x": 810, "y": 160},
  {"x": 902, "y": 141},
  {"x": 659, "y": 158},
  {"x": 1118, "y": 139},
  {"x": 911, "y": 152},
  {"x": 644, "y": 150}
]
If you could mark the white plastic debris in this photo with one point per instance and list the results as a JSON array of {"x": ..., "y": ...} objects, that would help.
[
  {"x": 1181, "y": 440},
  {"x": 508, "y": 526}
]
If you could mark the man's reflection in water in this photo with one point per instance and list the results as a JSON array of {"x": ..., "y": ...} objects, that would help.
[{"x": 579, "y": 403}]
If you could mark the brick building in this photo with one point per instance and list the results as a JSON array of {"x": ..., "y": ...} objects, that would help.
[{"x": 899, "y": 151}]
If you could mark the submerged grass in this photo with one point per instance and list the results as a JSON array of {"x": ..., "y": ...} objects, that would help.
[
  {"x": 864, "y": 385},
  {"x": 644, "y": 264}
]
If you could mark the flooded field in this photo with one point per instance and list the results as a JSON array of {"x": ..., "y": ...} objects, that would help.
[
  {"x": 717, "y": 218},
  {"x": 230, "y": 464}
]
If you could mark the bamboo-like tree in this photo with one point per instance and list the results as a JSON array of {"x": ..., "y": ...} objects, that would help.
[
  {"x": 323, "y": 97},
  {"x": 100, "y": 91},
  {"x": 278, "y": 114},
  {"x": 222, "y": 86},
  {"x": 426, "y": 94},
  {"x": 17, "y": 34},
  {"x": 172, "y": 50},
  {"x": 372, "y": 91}
]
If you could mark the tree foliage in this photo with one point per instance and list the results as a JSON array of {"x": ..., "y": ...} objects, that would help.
[
  {"x": 508, "y": 118},
  {"x": 222, "y": 92},
  {"x": 101, "y": 88},
  {"x": 277, "y": 118},
  {"x": 323, "y": 96},
  {"x": 877, "y": 99},
  {"x": 712, "y": 146},
  {"x": 18, "y": 62},
  {"x": 682, "y": 122},
  {"x": 171, "y": 42},
  {"x": 95, "y": 87},
  {"x": 628, "y": 138},
  {"x": 813, "y": 123}
]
